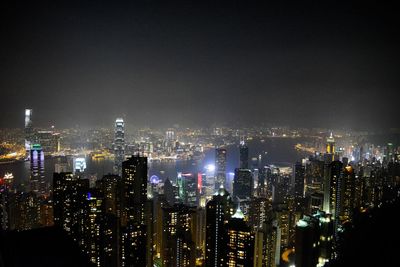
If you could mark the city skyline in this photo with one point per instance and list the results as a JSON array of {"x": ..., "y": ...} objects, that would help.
[
  {"x": 311, "y": 64},
  {"x": 199, "y": 133}
]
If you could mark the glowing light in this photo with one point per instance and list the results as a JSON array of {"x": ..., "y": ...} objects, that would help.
[
  {"x": 79, "y": 164},
  {"x": 8, "y": 176},
  {"x": 302, "y": 223},
  {"x": 210, "y": 167},
  {"x": 238, "y": 214},
  {"x": 199, "y": 182},
  {"x": 154, "y": 179}
]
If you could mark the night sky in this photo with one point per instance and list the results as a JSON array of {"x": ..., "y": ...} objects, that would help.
[{"x": 198, "y": 63}]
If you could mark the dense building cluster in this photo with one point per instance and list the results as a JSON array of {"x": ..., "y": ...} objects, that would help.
[{"x": 264, "y": 216}]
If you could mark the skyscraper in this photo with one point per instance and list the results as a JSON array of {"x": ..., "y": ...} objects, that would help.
[
  {"x": 187, "y": 188},
  {"x": 37, "y": 181},
  {"x": 240, "y": 242},
  {"x": 133, "y": 201},
  {"x": 244, "y": 155},
  {"x": 335, "y": 191},
  {"x": 134, "y": 183},
  {"x": 70, "y": 194},
  {"x": 330, "y": 146},
  {"x": 218, "y": 212},
  {"x": 119, "y": 145},
  {"x": 110, "y": 239},
  {"x": 242, "y": 184},
  {"x": 178, "y": 236},
  {"x": 28, "y": 129},
  {"x": 307, "y": 242},
  {"x": 271, "y": 248},
  {"x": 220, "y": 167},
  {"x": 299, "y": 176}
]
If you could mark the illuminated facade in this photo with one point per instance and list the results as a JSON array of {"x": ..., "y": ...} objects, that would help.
[
  {"x": 178, "y": 246},
  {"x": 119, "y": 145},
  {"x": 271, "y": 250},
  {"x": 110, "y": 237},
  {"x": 79, "y": 165},
  {"x": 70, "y": 195},
  {"x": 330, "y": 144},
  {"x": 188, "y": 188},
  {"x": 220, "y": 168},
  {"x": 243, "y": 155},
  {"x": 240, "y": 242},
  {"x": 92, "y": 227},
  {"x": 218, "y": 212},
  {"x": 28, "y": 129},
  {"x": 37, "y": 181},
  {"x": 258, "y": 212},
  {"x": 133, "y": 202}
]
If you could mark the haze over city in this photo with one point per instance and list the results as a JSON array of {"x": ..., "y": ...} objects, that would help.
[{"x": 330, "y": 64}]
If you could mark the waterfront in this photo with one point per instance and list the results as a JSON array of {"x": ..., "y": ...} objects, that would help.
[{"x": 277, "y": 151}]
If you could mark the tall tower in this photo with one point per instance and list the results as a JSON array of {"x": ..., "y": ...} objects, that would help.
[
  {"x": 134, "y": 183},
  {"x": 37, "y": 181},
  {"x": 220, "y": 167},
  {"x": 299, "y": 176},
  {"x": 134, "y": 197},
  {"x": 119, "y": 145},
  {"x": 28, "y": 129},
  {"x": 217, "y": 214},
  {"x": 240, "y": 242},
  {"x": 242, "y": 184},
  {"x": 307, "y": 242},
  {"x": 244, "y": 155},
  {"x": 330, "y": 146}
]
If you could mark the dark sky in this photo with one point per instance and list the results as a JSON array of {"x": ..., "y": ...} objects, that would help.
[{"x": 329, "y": 64}]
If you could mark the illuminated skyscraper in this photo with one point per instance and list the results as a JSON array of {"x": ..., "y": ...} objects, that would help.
[
  {"x": 326, "y": 240},
  {"x": 187, "y": 188},
  {"x": 178, "y": 247},
  {"x": 348, "y": 193},
  {"x": 270, "y": 253},
  {"x": 28, "y": 129},
  {"x": 110, "y": 224},
  {"x": 119, "y": 145},
  {"x": 37, "y": 181},
  {"x": 307, "y": 242},
  {"x": 299, "y": 176},
  {"x": 133, "y": 202},
  {"x": 330, "y": 146},
  {"x": 244, "y": 155},
  {"x": 170, "y": 135},
  {"x": 335, "y": 191},
  {"x": 92, "y": 226},
  {"x": 220, "y": 167},
  {"x": 134, "y": 183},
  {"x": 70, "y": 207},
  {"x": 242, "y": 184},
  {"x": 218, "y": 212},
  {"x": 240, "y": 242}
]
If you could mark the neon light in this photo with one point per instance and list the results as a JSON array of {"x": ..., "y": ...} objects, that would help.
[{"x": 199, "y": 182}]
